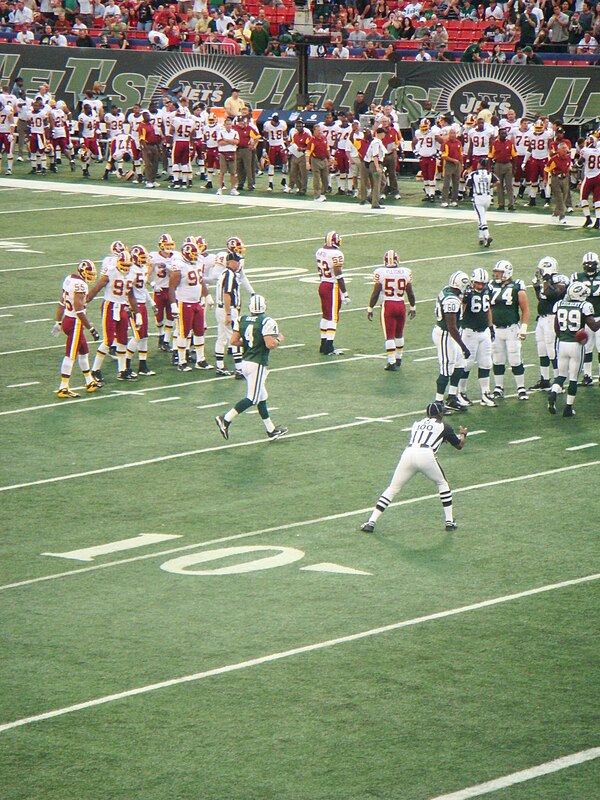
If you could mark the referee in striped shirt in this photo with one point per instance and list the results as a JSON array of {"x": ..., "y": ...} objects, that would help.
[{"x": 480, "y": 182}]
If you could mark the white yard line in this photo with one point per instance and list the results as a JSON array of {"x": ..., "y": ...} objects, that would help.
[
  {"x": 523, "y": 441},
  {"x": 162, "y": 225},
  {"x": 6, "y": 315},
  {"x": 309, "y": 648},
  {"x": 22, "y": 385},
  {"x": 214, "y": 405},
  {"x": 98, "y": 397},
  {"x": 292, "y": 525},
  {"x": 523, "y": 775},
  {"x": 427, "y": 358},
  {"x": 69, "y": 208},
  {"x": 582, "y": 446},
  {"x": 164, "y": 400},
  {"x": 45, "y": 319},
  {"x": 476, "y": 433}
]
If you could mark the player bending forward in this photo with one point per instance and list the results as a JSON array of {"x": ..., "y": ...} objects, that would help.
[
  {"x": 257, "y": 334},
  {"x": 426, "y": 437}
]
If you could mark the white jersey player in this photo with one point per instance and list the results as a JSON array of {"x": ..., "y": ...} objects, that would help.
[{"x": 392, "y": 282}]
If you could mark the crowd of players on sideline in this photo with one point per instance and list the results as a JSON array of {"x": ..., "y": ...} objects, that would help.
[
  {"x": 356, "y": 153},
  {"x": 480, "y": 322}
]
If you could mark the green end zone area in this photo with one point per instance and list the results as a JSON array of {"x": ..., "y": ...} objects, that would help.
[{"x": 408, "y": 713}]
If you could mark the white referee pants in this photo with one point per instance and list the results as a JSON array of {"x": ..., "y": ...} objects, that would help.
[
  {"x": 481, "y": 205},
  {"x": 412, "y": 461},
  {"x": 224, "y": 330}
]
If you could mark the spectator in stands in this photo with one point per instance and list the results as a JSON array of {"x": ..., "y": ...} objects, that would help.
[
  {"x": 497, "y": 56},
  {"x": 407, "y": 30},
  {"x": 339, "y": 51},
  {"x": 519, "y": 59},
  {"x": 223, "y": 21},
  {"x": 21, "y": 14},
  {"x": 422, "y": 33},
  {"x": 357, "y": 37},
  {"x": 59, "y": 40},
  {"x": 77, "y": 25},
  {"x": 47, "y": 10},
  {"x": 47, "y": 35},
  {"x": 493, "y": 32},
  {"x": 144, "y": 14},
  {"x": 575, "y": 32},
  {"x": 586, "y": 17},
  {"x": 370, "y": 50},
  {"x": 494, "y": 11},
  {"x": 173, "y": 34},
  {"x": 104, "y": 44},
  {"x": 541, "y": 37},
  {"x": 263, "y": 20},
  {"x": 391, "y": 54},
  {"x": 588, "y": 44},
  {"x": 532, "y": 58},
  {"x": 558, "y": 30},
  {"x": 259, "y": 39},
  {"x": 86, "y": 10},
  {"x": 290, "y": 50},
  {"x": 440, "y": 36},
  {"x": 158, "y": 40},
  {"x": 473, "y": 52},
  {"x": 5, "y": 12},
  {"x": 468, "y": 11},
  {"x": 422, "y": 54},
  {"x": 111, "y": 16},
  {"x": 84, "y": 39},
  {"x": 123, "y": 42},
  {"x": 527, "y": 24},
  {"x": 203, "y": 23},
  {"x": 25, "y": 35},
  {"x": 442, "y": 54},
  {"x": 61, "y": 25}
]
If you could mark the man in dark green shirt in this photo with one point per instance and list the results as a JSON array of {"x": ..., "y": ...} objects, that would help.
[
  {"x": 257, "y": 334},
  {"x": 259, "y": 39},
  {"x": 473, "y": 52}
]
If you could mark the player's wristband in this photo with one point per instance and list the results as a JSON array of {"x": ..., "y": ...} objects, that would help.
[
  {"x": 413, "y": 308},
  {"x": 369, "y": 310}
]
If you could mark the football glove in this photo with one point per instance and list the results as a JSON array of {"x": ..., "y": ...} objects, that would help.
[
  {"x": 522, "y": 331},
  {"x": 174, "y": 309},
  {"x": 94, "y": 334},
  {"x": 139, "y": 320},
  {"x": 412, "y": 312},
  {"x": 209, "y": 300},
  {"x": 56, "y": 329},
  {"x": 345, "y": 298}
]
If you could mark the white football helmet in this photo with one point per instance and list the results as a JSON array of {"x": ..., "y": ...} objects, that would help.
[
  {"x": 578, "y": 291},
  {"x": 257, "y": 304},
  {"x": 505, "y": 268},
  {"x": 590, "y": 263},
  {"x": 391, "y": 258},
  {"x": 333, "y": 239},
  {"x": 459, "y": 280},
  {"x": 547, "y": 266},
  {"x": 479, "y": 275}
]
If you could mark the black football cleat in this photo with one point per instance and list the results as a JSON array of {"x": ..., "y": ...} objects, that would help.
[
  {"x": 452, "y": 402},
  {"x": 277, "y": 433},
  {"x": 568, "y": 411},
  {"x": 588, "y": 223},
  {"x": 552, "y": 402},
  {"x": 223, "y": 373},
  {"x": 541, "y": 386},
  {"x": 223, "y": 426},
  {"x": 587, "y": 380},
  {"x": 368, "y": 527},
  {"x": 239, "y": 375},
  {"x": 391, "y": 368},
  {"x": 97, "y": 376},
  {"x": 145, "y": 371}
]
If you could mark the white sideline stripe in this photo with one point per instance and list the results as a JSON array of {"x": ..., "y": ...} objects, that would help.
[
  {"x": 292, "y": 525},
  {"x": 21, "y": 385},
  {"x": 280, "y": 201},
  {"x": 164, "y": 400},
  {"x": 522, "y": 441},
  {"x": 214, "y": 405},
  {"x": 523, "y": 775},
  {"x": 314, "y": 416},
  {"x": 45, "y": 319},
  {"x": 69, "y": 208},
  {"x": 582, "y": 446},
  {"x": 309, "y": 648},
  {"x": 173, "y": 385},
  {"x": 162, "y": 225}
]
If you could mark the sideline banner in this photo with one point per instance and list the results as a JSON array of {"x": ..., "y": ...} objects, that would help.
[{"x": 135, "y": 77}]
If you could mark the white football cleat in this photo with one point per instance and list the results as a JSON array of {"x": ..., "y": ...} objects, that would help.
[{"x": 488, "y": 400}]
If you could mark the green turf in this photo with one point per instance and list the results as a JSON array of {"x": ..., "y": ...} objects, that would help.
[{"x": 403, "y": 715}]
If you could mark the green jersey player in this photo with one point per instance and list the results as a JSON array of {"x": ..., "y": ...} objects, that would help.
[
  {"x": 590, "y": 277},
  {"x": 477, "y": 333},
  {"x": 447, "y": 339},
  {"x": 549, "y": 287},
  {"x": 510, "y": 315},
  {"x": 257, "y": 334},
  {"x": 572, "y": 314}
]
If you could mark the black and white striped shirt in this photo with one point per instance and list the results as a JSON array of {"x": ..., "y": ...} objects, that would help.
[
  {"x": 228, "y": 284},
  {"x": 481, "y": 181},
  {"x": 431, "y": 434}
]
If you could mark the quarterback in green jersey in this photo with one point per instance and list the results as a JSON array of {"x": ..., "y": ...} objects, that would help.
[
  {"x": 257, "y": 335},
  {"x": 549, "y": 287},
  {"x": 590, "y": 277},
  {"x": 572, "y": 314}
]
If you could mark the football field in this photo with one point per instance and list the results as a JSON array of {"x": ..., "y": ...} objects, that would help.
[{"x": 195, "y": 619}]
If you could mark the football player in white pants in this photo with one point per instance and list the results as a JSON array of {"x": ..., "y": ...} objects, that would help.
[
  {"x": 549, "y": 287},
  {"x": 426, "y": 437},
  {"x": 451, "y": 350},
  {"x": 590, "y": 277},
  {"x": 573, "y": 314},
  {"x": 510, "y": 314},
  {"x": 477, "y": 332},
  {"x": 480, "y": 183}
]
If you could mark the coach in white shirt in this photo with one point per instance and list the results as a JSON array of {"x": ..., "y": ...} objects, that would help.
[{"x": 374, "y": 160}]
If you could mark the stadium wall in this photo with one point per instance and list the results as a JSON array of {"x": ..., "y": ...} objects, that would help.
[{"x": 135, "y": 77}]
